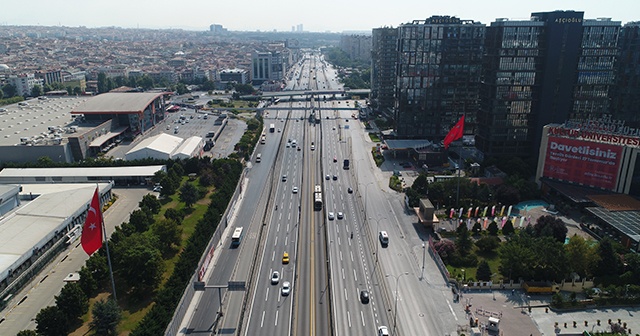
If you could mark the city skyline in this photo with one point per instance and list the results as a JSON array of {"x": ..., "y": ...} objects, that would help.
[{"x": 282, "y": 15}]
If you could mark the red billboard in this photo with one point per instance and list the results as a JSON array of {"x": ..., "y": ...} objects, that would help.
[{"x": 589, "y": 163}]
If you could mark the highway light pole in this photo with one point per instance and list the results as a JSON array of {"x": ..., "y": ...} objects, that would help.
[
  {"x": 395, "y": 314},
  {"x": 377, "y": 232},
  {"x": 423, "y": 256}
]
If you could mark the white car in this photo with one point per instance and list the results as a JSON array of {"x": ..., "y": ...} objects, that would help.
[
  {"x": 295, "y": 190},
  {"x": 275, "y": 277},
  {"x": 331, "y": 216},
  {"x": 286, "y": 288},
  {"x": 383, "y": 331},
  {"x": 340, "y": 215}
]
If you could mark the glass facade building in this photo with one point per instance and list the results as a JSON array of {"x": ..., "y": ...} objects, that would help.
[
  {"x": 626, "y": 97},
  {"x": 548, "y": 69},
  {"x": 438, "y": 71},
  {"x": 383, "y": 69}
]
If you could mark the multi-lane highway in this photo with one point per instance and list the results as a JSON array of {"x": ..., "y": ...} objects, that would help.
[{"x": 341, "y": 281}]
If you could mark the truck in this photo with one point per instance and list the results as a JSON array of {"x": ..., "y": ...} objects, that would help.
[
  {"x": 532, "y": 287},
  {"x": 345, "y": 164},
  {"x": 272, "y": 128}
]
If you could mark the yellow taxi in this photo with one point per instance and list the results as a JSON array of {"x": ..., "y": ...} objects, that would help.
[{"x": 285, "y": 258}]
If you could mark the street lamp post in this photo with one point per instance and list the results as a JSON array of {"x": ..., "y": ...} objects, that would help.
[
  {"x": 366, "y": 188},
  {"x": 377, "y": 220},
  {"x": 423, "y": 256},
  {"x": 395, "y": 313}
]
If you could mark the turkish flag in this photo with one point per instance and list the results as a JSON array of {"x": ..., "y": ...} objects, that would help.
[
  {"x": 92, "y": 230},
  {"x": 455, "y": 133}
]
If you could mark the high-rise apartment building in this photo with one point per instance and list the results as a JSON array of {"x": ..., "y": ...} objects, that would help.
[
  {"x": 24, "y": 83},
  {"x": 438, "y": 76},
  {"x": 358, "y": 47},
  {"x": 383, "y": 69},
  {"x": 626, "y": 98},
  {"x": 268, "y": 66},
  {"x": 545, "y": 70}
]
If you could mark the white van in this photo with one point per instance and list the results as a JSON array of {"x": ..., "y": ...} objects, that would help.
[{"x": 384, "y": 238}]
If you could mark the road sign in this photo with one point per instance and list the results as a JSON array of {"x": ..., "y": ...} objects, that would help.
[{"x": 236, "y": 286}]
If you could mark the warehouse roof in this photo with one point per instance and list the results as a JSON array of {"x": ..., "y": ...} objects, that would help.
[
  {"x": 118, "y": 102},
  {"x": 93, "y": 171}
]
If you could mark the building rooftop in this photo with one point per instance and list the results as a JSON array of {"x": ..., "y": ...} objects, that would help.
[
  {"x": 117, "y": 102},
  {"x": 94, "y": 171},
  {"x": 40, "y": 121}
]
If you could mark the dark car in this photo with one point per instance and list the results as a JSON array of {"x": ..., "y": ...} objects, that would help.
[
  {"x": 350, "y": 190},
  {"x": 364, "y": 296},
  {"x": 335, "y": 177}
]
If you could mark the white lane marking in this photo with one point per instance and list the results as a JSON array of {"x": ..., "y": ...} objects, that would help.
[{"x": 262, "y": 319}]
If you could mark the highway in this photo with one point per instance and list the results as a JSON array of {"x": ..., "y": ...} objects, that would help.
[{"x": 328, "y": 267}]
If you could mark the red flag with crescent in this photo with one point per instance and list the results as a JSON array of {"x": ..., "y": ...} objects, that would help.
[{"x": 92, "y": 230}]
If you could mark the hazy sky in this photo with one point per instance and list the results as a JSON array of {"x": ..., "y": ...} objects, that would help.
[{"x": 281, "y": 15}]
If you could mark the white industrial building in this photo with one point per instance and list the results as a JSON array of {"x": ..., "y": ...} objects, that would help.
[
  {"x": 133, "y": 175},
  {"x": 164, "y": 147},
  {"x": 189, "y": 148},
  {"x": 44, "y": 220}
]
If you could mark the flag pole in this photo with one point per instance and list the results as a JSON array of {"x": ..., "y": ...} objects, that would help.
[
  {"x": 458, "y": 188},
  {"x": 106, "y": 243}
]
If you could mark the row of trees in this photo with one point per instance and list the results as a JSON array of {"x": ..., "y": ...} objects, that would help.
[
  {"x": 139, "y": 249},
  {"x": 444, "y": 193},
  {"x": 539, "y": 252}
]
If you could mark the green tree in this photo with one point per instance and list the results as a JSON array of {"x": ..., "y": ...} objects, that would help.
[
  {"x": 36, "y": 91},
  {"x": 508, "y": 229},
  {"x": 551, "y": 259},
  {"x": 174, "y": 215},
  {"x": 609, "y": 263},
  {"x": 477, "y": 228},
  {"x": 150, "y": 202},
  {"x": 483, "y": 273},
  {"x": 2, "y": 96},
  {"x": 168, "y": 232},
  {"x": 463, "y": 240},
  {"x": 51, "y": 321},
  {"x": 580, "y": 256},
  {"x": 139, "y": 262},
  {"x": 488, "y": 244},
  {"x": 181, "y": 88},
  {"x": 244, "y": 89},
  {"x": 72, "y": 301},
  {"x": 103, "y": 85},
  {"x": 9, "y": 90},
  {"x": 87, "y": 282},
  {"x": 141, "y": 219},
  {"x": 77, "y": 91},
  {"x": 549, "y": 226},
  {"x": 97, "y": 265},
  {"x": 493, "y": 228},
  {"x": 188, "y": 194},
  {"x": 106, "y": 316},
  {"x": 168, "y": 186},
  {"x": 421, "y": 185},
  {"x": 517, "y": 258},
  {"x": 27, "y": 332}
]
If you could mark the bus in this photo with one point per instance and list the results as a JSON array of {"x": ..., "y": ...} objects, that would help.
[
  {"x": 236, "y": 237},
  {"x": 272, "y": 128},
  {"x": 317, "y": 197}
]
